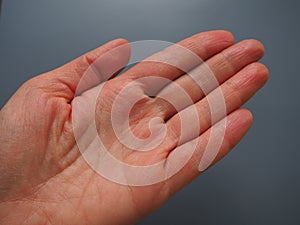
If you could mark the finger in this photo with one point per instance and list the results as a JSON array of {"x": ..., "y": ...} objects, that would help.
[
  {"x": 92, "y": 68},
  {"x": 237, "y": 125},
  {"x": 206, "y": 77},
  {"x": 236, "y": 91},
  {"x": 185, "y": 55}
]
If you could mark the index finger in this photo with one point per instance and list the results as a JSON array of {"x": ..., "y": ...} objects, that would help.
[{"x": 186, "y": 55}]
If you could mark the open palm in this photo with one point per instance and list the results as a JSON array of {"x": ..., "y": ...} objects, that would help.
[{"x": 52, "y": 171}]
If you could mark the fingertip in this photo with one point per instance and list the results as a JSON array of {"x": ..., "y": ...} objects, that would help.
[
  {"x": 261, "y": 71},
  {"x": 236, "y": 126},
  {"x": 211, "y": 42},
  {"x": 240, "y": 121},
  {"x": 264, "y": 70},
  {"x": 256, "y": 47},
  {"x": 226, "y": 34},
  {"x": 246, "y": 114}
]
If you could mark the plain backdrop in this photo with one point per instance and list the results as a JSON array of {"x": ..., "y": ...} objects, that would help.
[{"x": 258, "y": 183}]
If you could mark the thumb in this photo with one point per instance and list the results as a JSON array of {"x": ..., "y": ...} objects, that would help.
[{"x": 91, "y": 68}]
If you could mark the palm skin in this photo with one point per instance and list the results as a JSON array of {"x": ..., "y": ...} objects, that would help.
[{"x": 44, "y": 178}]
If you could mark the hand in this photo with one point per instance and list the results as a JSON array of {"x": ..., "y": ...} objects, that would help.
[{"x": 47, "y": 147}]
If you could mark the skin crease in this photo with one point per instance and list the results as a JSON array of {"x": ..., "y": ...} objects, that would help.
[{"x": 45, "y": 180}]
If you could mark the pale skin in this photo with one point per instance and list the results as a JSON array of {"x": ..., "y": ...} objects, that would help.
[{"x": 45, "y": 180}]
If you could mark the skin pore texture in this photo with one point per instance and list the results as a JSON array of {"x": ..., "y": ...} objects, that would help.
[{"x": 44, "y": 179}]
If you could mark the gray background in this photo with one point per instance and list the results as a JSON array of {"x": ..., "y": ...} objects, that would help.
[{"x": 258, "y": 183}]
